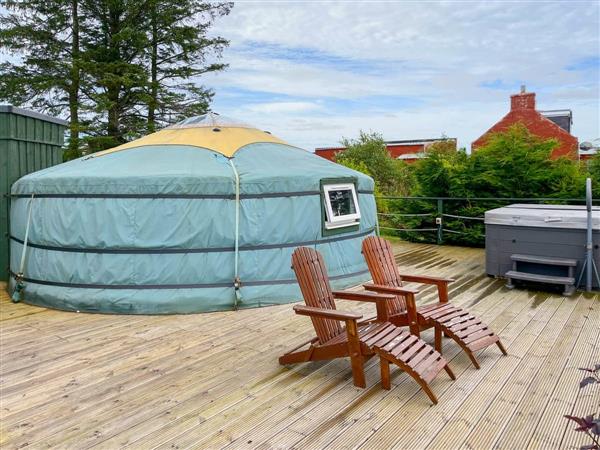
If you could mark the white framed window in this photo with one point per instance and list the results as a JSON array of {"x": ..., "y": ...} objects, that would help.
[{"x": 341, "y": 205}]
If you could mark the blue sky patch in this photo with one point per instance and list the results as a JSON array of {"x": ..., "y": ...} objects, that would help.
[{"x": 589, "y": 63}]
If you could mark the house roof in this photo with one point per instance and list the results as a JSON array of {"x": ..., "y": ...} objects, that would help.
[
  {"x": 561, "y": 117},
  {"x": 418, "y": 141},
  {"x": 522, "y": 109},
  {"x": 406, "y": 142}
]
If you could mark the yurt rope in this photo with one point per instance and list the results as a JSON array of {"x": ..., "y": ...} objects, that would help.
[
  {"x": 236, "y": 280},
  {"x": 19, "y": 285}
]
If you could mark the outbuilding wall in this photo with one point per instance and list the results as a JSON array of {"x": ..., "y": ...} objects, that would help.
[{"x": 29, "y": 142}]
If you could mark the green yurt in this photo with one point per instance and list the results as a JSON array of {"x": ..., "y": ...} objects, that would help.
[{"x": 201, "y": 216}]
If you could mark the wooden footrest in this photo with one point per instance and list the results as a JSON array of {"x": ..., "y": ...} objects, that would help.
[
  {"x": 416, "y": 354},
  {"x": 466, "y": 329},
  {"x": 413, "y": 355}
]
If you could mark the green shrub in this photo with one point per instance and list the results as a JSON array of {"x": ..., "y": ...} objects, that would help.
[{"x": 513, "y": 164}]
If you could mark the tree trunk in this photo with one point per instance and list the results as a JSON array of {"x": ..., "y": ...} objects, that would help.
[
  {"x": 114, "y": 87},
  {"x": 74, "y": 82},
  {"x": 152, "y": 104}
]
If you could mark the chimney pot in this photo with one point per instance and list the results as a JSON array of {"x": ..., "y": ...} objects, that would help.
[{"x": 522, "y": 89}]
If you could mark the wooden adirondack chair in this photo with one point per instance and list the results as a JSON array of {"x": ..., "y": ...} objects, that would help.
[
  {"x": 357, "y": 341},
  {"x": 463, "y": 327}
]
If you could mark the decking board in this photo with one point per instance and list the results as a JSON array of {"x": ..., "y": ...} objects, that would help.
[{"x": 71, "y": 380}]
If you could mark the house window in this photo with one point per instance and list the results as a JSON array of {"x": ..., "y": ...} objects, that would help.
[{"x": 341, "y": 205}]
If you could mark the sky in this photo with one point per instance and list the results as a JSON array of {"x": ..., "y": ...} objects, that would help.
[{"x": 312, "y": 72}]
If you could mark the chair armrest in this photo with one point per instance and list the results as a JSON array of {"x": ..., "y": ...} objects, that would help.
[
  {"x": 441, "y": 283},
  {"x": 390, "y": 289},
  {"x": 426, "y": 279},
  {"x": 409, "y": 297},
  {"x": 326, "y": 313},
  {"x": 351, "y": 328},
  {"x": 380, "y": 301},
  {"x": 363, "y": 296}
]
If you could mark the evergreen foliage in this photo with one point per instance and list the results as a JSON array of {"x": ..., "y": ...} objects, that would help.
[
  {"x": 43, "y": 36},
  {"x": 513, "y": 164},
  {"x": 116, "y": 68},
  {"x": 594, "y": 173}
]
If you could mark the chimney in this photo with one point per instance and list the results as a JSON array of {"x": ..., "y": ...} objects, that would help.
[{"x": 523, "y": 100}]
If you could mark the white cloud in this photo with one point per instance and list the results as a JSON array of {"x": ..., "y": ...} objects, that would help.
[
  {"x": 283, "y": 107},
  {"x": 313, "y": 72}
]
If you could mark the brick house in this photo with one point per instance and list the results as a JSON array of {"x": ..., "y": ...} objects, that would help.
[
  {"x": 407, "y": 150},
  {"x": 545, "y": 124}
]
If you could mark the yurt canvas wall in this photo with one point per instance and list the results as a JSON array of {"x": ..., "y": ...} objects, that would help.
[{"x": 150, "y": 228}]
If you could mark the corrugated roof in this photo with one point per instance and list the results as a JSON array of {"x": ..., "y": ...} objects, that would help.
[{"x": 33, "y": 114}]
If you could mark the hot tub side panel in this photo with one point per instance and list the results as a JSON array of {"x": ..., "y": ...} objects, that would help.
[{"x": 502, "y": 241}]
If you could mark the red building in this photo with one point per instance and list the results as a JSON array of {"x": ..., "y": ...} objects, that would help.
[
  {"x": 409, "y": 150},
  {"x": 545, "y": 124}
]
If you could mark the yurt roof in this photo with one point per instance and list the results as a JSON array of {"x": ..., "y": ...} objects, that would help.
[
  {"x": 191, "y": 158},
  {"x": 209, "y": 131}
]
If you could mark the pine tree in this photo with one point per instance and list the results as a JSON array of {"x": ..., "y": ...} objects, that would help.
[
  {"x": 42, "y": 37},
  {"x": 144, "y": 58},
  {"x": 178, "y": 53},
  {"x": 116, "y": 68},
  {"x": 115, "y": 41}
]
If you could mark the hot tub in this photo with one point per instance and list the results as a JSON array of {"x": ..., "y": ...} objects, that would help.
[{"x": 550, "y": 231}]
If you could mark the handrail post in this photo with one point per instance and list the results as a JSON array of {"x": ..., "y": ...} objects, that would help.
[{"x": 439, "y": 221}]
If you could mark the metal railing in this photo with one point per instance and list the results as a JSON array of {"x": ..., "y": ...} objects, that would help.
[{"x": 441, "y": 203}]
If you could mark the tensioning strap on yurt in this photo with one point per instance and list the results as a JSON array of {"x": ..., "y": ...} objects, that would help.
[
  {"x": 158, "y": 251},
  {"x": 185, "y": 196},
  {"x": 174, "y": 286},
  {"x": 236, "y": 277},
  {"x": 19, "y": 277}
]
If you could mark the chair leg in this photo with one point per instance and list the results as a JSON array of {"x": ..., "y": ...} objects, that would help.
[
  {"x": 449, "y": 372},
  {"x": 358, "y": 371},
  {"x": 438, "y": 339},
  {"x": 501, "y": 347},
  {"x": 384, "y": 365},
  {"x": 466, "y": 350},
  {"x": 427, "y": 390},
  {"x": 472, "y": 357},
  {"x": 385, "y": 374}
]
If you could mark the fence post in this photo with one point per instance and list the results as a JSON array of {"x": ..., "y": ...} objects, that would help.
[{"x": 439, "y": 221}]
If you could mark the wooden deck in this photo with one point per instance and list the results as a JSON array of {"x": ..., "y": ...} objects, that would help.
[{"x": 73, "y": 380}]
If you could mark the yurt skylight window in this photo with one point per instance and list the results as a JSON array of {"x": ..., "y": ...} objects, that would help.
[
  {"x": 209, "y": 120},
  {"x": 341, "y": 205}
]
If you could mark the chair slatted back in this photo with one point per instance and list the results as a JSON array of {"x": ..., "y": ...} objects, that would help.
[
  {"x": 382, "y": 265},
  {"x": 312, "y": 277}
]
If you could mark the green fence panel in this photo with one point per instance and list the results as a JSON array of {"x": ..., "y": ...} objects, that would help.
[{"x": 29, "y": 141}]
